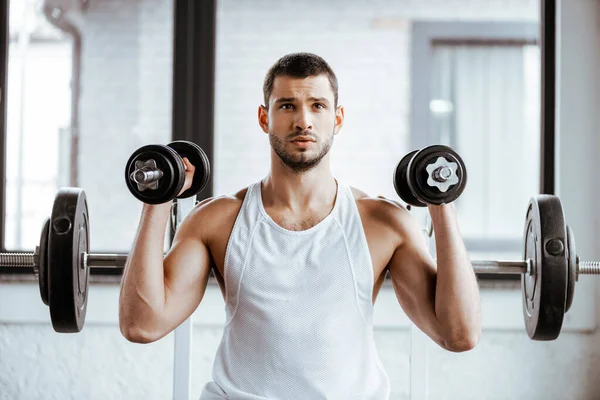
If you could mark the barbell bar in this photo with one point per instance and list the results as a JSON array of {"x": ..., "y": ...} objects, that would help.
[
  {"x": 549, "y": 269},
  {"x": 105, "y": 260}
]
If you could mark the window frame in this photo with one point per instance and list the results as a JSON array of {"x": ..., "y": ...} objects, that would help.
[
  {"x": 426, "y": 34},
  {"x": 193, "y": 80},
  {"x": 4, "y": 39}
]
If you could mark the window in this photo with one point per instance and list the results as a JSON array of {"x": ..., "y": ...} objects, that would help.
[
  {"x": 476, "y": 87},
  {"x": 87, "y": 85},
  {"x": 38, "y": 121},
  {"x": 139, "y": 84}
]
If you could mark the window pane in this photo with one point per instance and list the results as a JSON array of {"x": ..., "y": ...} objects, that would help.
[
  {"x": 485, "y": 103},
  {"x": 119, "y": 55}
]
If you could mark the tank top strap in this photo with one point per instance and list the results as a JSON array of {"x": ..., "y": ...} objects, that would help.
[{"x": 245, "y": 224}]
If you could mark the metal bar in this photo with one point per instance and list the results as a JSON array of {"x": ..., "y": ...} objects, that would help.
[
  {"x": 499, "y": 267},
  {"x": 194, "y": 53},
  {"x": 119, "y": 260},
  {"x": 193, "y": 119},
  {"x": 548, "y": 96},
  {"x": 146, "y": 176},
  {"x": 107, "y": 260},
  {"x": 3, "y": 83},
  {"x": 418, "y": 344},
  {"x": 182, "y": 361}
]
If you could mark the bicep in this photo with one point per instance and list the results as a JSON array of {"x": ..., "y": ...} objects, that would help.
[
  {"x": 186, "y": 272},
  {"x": 413, "y": 272}
]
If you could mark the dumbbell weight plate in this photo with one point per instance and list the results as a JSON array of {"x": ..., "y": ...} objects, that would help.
[
  {"x": 418, "y": 175},
  {"x": 401, "y": 181},
  {"x": 199, "y": 160},
  {"x": 545, "y": 288},
  {"x": 168, "y": 161},
  {"x": 43, "y": 261},
  {"x": 572, "y": 267},
  {"x": 68, "y": 240}
]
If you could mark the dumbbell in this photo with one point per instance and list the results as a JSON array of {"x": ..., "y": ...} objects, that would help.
[
  {"x": 62, "y": 262},
  {"x": 433, "y": 175},
  {"x": 155, "y": 174}
]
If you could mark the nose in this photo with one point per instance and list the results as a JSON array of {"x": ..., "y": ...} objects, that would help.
[{"x": 303, "y": 120}]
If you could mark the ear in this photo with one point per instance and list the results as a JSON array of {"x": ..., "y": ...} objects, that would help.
[
  {"x": 263, "y": 118},
  {"x": 339, "y": 119}
]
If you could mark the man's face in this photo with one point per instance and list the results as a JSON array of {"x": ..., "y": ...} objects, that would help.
[{"x": 301, "y": 120}]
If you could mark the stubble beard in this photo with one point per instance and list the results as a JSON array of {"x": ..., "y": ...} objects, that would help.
[{"x": 300, "y": 161}]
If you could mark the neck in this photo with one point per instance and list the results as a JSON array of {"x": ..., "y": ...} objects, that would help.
[{"x": 296, "y": 191}]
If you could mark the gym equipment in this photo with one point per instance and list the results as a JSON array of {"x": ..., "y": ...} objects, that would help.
[
  {"x": 199, "y": 160},
  {"x": 549, "y": 268},
  {"x": 155, "y": 174},
  {"x": 433, "y": 175},
  {"x": 401, "y": 181}
]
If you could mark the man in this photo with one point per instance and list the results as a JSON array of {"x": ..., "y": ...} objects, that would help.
[{"x": 300, "y": 258}]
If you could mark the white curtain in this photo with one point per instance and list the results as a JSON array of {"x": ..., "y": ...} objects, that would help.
[{"x": 485, "y": 104}]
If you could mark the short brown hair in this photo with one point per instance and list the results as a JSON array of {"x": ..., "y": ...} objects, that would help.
[{"x": 299, "y": 65}]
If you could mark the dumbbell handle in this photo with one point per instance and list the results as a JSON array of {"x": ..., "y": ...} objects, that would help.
[
  {"x": 442, "y": 174},
  {"x": 92, "y": 260},
  {"x": 118, "y": 261},
  {"x": 146, "y": 175}
]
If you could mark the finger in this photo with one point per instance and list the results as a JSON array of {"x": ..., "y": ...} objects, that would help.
[{"x": 188, "y": 165}]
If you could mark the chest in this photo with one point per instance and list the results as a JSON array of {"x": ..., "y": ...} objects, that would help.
[
  {"x": 380, "y": 243},
  {"x": 299, "y": 222}
]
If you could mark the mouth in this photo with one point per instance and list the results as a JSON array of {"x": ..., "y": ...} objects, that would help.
[
  {"x": 303, "y": 139},
  {"x": 303, "y": 144}
]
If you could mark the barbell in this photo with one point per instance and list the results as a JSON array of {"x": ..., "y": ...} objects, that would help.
[{"x": 549, "y": 268}]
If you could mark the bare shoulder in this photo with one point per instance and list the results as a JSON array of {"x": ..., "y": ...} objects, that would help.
[
  {"x": 216, "y": 214},
  {"x": 379, "y": 207},
  {"x": 220, "y": 206}
]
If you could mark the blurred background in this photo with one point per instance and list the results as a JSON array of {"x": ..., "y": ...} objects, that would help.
[{"x": 90, "y": 81}]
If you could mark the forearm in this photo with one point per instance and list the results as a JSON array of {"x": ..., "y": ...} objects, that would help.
[
  {"x": 142, "y": 287},
  {"x": 457, "y": 303}
]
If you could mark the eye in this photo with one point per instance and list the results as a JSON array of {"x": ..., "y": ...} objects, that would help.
[
  {"x": 320, "y": 106},
  {"x": 287, "y": 106}
]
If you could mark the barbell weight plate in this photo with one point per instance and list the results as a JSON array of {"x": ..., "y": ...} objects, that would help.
[
  {"x": 572, "y": 267},
  {"x": 43, "y": 261},
  {"x": 545, "y": 289},
  {"x": 401, "y": 181},
  {"x": 68, "y": 241},
  {"x": 418, "y": 175},
  {"x": 168, "y": 161},
  {"x": 199, "y": 160}
]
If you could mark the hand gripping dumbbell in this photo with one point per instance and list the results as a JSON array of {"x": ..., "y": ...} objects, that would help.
[
  {"x": 62, "y": 261},
  {"x": 550, "y": 266},
  {"x": 433, "y": 175},
  {"x": 155, "y": 174}
]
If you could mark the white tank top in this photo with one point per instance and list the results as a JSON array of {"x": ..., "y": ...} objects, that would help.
[{"x": 299, "y": 312}]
